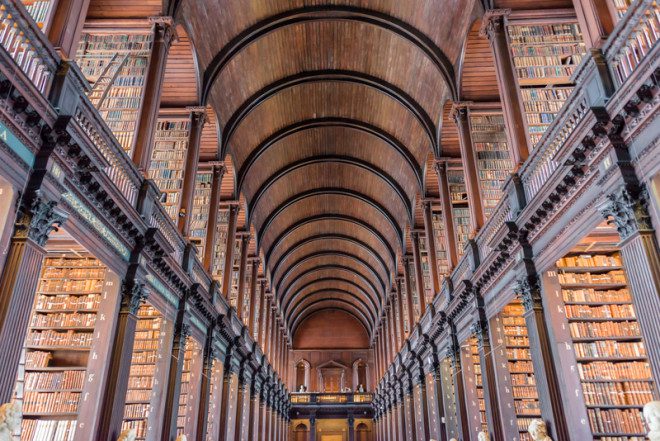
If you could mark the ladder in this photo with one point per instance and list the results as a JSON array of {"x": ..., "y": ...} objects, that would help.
[{"x": 106, "y": 79}]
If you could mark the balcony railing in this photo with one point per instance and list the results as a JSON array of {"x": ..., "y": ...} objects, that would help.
[{"x": 331, "y": 398}]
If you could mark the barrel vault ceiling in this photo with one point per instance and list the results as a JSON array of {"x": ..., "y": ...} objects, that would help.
[{"x": 328, "y": 113}]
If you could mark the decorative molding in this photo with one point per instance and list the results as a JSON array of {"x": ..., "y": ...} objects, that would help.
[
  {"x": 492, "y": 22},
  {"x": 132, "y": 295},
  {"x": 628, "y": 209},
  {"x": 39, "y": 220},
  {"x": 529, "y": 291}
]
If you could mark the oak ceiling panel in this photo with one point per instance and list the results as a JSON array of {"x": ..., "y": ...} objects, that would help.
[
  {"x": 329, "y": 246},
  {"x": 124, "y": 8},
  {"x": 328, "y": 100},
  {"x": 329, "y": 144},
  {"x": 322, "y": 296},
  {"x": 325, "y": 286},
  {"x": 478, "y": 77},
  {"x": 344, "y": 177},
  {"x": 337, "y": 45},
  {"x": 180, "y": 78},
  {"x": 449, "y": 141},
  {"x": 330, "y": 305},
  {"x": 533, "y": 4},
  {"x": 431, "y": 178},
  {"x": 442, "y": 21},
  {"x": 331, "y": 228},
  {"x": 333, "y": 206},
  {"x": 208, "y": 145}
]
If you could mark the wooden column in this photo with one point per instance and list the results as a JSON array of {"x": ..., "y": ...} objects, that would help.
[
  {"x": 253, "y": 424},
  {"x": 596, "y": 20},
  {"x": 266, "y": 321},
  {"x": 488, "y": 375},
  {"x": 205, "y": 388},
  {"x": 173, "y": 388},
  {"x": 419, "y": 274},
  {"x": 421, "y": 411},
  {"x": 197, "y": 120},
  {"x": 262, "y": 413},
  {"x": 389, "y": 350},
  {"x": 113, "y": 397},
  {"x": 454, "y": 354},
  {"x": 229, "y": 250},
  {"x": 242, "y": 394},
  {"x": 437, "y": 427},
  {"x": 411, "y": 425},
  {"x": 460, "y": 114},
  {"x": 18, "y": 283},
  {"x": 628, "y": 210},
  {"x": 146, "y": 123},
  {"x": 255, "y": 325},
  {"x": 493, "y": 26},
  {"x": 66, "y": 26},
  {"x": 227, "y": 404},
  {"x": 240, "y": 301},
  {"x": 212, "y": 225},
  {"x": 430, "y": 247},
  {"x": 392, "y": 327},
  {"x": 548, "y": 382},
  {"x": 251, "y": 316},
  {"x": 409, "y": 299},
  {"x": 399, "y": 301},
  {"x": 447, "y": 217},
  {"x": 312, "y": 428}
]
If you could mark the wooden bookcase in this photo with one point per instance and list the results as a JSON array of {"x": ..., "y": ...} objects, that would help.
[
  {"x": 426, "y": 268},
  {"x": 214, "y": 399},
  {"x": 474, "y": 391},
  {"x": 459, "y": 202},
  {"x": 600, "y": 319},
  {"x": 189, "y": 394},
  {"x": 168, "y": 159},
  {"x": 221, "y": 244},
  {"x": 448, "y": 375},
  {"x": 440, "y": 245},
  {"x": 516, "y": 382},
  {"x": 200, "y": 210},
  {"x": 115, "y": 64},
  {"x": 413, "y": 288},
  {"x": 494, "y": 164},
  {"x": 247, "y": 286},
  {"x": 63, "y": 332},
  {"x": 41, "y": 11},
  {"x": 236, "y": 263},
  {"x": 144, "y": 385},
  {"x": 545, "y": 51}
]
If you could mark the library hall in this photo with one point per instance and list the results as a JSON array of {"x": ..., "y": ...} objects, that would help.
[{"x": 329, "y": 220}]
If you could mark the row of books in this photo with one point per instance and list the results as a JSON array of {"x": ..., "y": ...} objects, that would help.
[
  {"x": 606, "y": 370},
  {"x": 630, "y": 393},
  {"x": 610, "y": 349},
  {"x": 527, "y": 60},
  {"x": 591, "y": 295},
  {"x": 604, "y": 329},
  {"x": 50, "y": 402},
  {"x": 86, "y": 320},
  {"x": 604, "y": 421},
  {"x": 47, "y": 430},
  {"x": 57, "y": 338},
  {"x": 611, "y": 277},
  {"x": 549, "y": 33},
  {"x": 530, "y": 94},
  {"x": 591, "y": 260},
  {"x": 603, "y": 311},
  {"x": 548, "y": 108},
  {"x": 89, "y": 302},
  {"x": 54, "y": 380},
  {"x": 55, "y": 286}
]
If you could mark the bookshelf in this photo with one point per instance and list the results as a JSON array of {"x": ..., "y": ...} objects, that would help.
[
  {"x": 41, "y": 11},
  {"x": 440, "y": 245},
  {"x": 236, "y": 263},
  {"x": 404, "y": 307},
  {"x": 116, "y": 65},
  {"x": 413, "y": 288},
  {"x": 221, "y": 244},
  {"x": 520, "y": 369},
  {"x": 200, "y": 210},
  {"x": 460, "y": 210},
  {"x": 190, "y": 375},
  {"x": 545, "y": 55},
  {"x": 247, "y": 286},
  {"x": 167, "y": 160},
  {"x": 426, "y": 268},
  {"x": 144, "y": 373},
  {"x": 494, "y": 164},
  {"x": 447, "y": 375},
  {"x": 214, "y": 398},
  {"x": 613, "y": 369},
  {"x": 478, "y": 403},
  {"x": 52, "y": 374}
]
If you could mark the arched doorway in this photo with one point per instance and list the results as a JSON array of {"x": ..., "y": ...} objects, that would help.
[
  {"x": 362, "y": 432},
  {"x": 360, "y": 375},
  {"x": 300, "y": 433},
  {"x": 302, "y": 376}
]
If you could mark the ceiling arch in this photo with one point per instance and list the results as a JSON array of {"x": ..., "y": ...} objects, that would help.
[
  {"x": 324, "y": 293},
  {"x": 340, "y": 304}
]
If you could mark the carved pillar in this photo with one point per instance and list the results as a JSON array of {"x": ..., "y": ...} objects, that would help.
[
  {"x": 212, "y": 225},
  {"x": 391, "y": 322},
  {"x": 66, "y": 26},
  {"x": 113, "y": 397},
  {"x": 253, "y": 418},
  {"x": 267, "y": 324},
  {"x": 242, "y": 394},
  {"x": 240, "y": 301},
  {"x": 419, "y": 405},
  {"x": 261, "y": 428},
  {"x": 386, "y": 337},
  {"x": 454, "y": 354},
  {"x": 548, "y": 383},
  {"x": 197, "y": 120},
  {"x": 312, "y": 428},
  {"x": 494, "y": 28},
  {"x": 227, "y": 399},
  {"x": 437, "y": 425},
  {"x": 596, "y": 20},
  {"x": 164, "y": 36},
  {"x": 229, "y": 251},
  {"x": 409, "y": 297},
  {"x": 419, "y": 274},
  {"x": 252, "y": 316},
  {"x": 205, "y": 388},
  {"x": 181, "y": 333},
  {"x": 447, "y": 216},
  {"x": 460, "y": 114},
  {"x": 258, "y": 324},
  {"x": 628, "y": 210},
  {"x": 399, "y": 302},
  {"x": 409, "y": 411},
  {"x": 430, "y": 247},
  {"x": 18, "y": 282},
  {"x": 488, "y": 376}
]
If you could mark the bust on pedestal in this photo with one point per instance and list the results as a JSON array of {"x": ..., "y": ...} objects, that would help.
[
  {"x": 10, "y": 420},
  {"x": 652, "y": 418},
  {"x": 538, "y": 430}
]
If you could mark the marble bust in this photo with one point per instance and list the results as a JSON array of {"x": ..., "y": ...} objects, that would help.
[
  {"x": 652, "y": 419},
  {"x": 128, "y": 435},
  {"x": 10, "y": 420},
  {"x": 538, "y": 430},
  {"x": 483, "y": 436}
]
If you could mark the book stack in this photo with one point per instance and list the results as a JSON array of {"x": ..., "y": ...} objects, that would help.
[
  {"x": 440, "y": 245},
  {"x": 475, "y": 361},
  {"x": 53, "y": 368},
  {"x": 187, "y": 393},
  {"x": 200, "y": 210},
  {"x": 493, "y": 160},
  {"x": 426, "y": 268},
  {"x": 236, "y": 263},
  {"x": 608, "y": 345},
  {"x": 413, "y": 287},
  {"x": 221, "y": 245},
  {"x": 149, "y": 339},
  {"x": 116, "y": 66},
  {"x": 544, "y": 56}
]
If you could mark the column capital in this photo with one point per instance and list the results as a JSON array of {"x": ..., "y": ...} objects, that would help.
[
  {"x": 493, "y": 21},
  {"x": 628, "y": 210},
  {"x": 440, "y": 167},
  {"x": 529, "y": 291},
  {"x": 459, "y": 110},
  {"x": 198, "y": 115},
  {"x": 165, "y": 31},
  {"x": 38, "y": 220},
  {"x": 132, "y": 295}
]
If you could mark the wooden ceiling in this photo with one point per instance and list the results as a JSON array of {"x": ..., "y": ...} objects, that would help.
[{"x": 329, "y": 115}]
